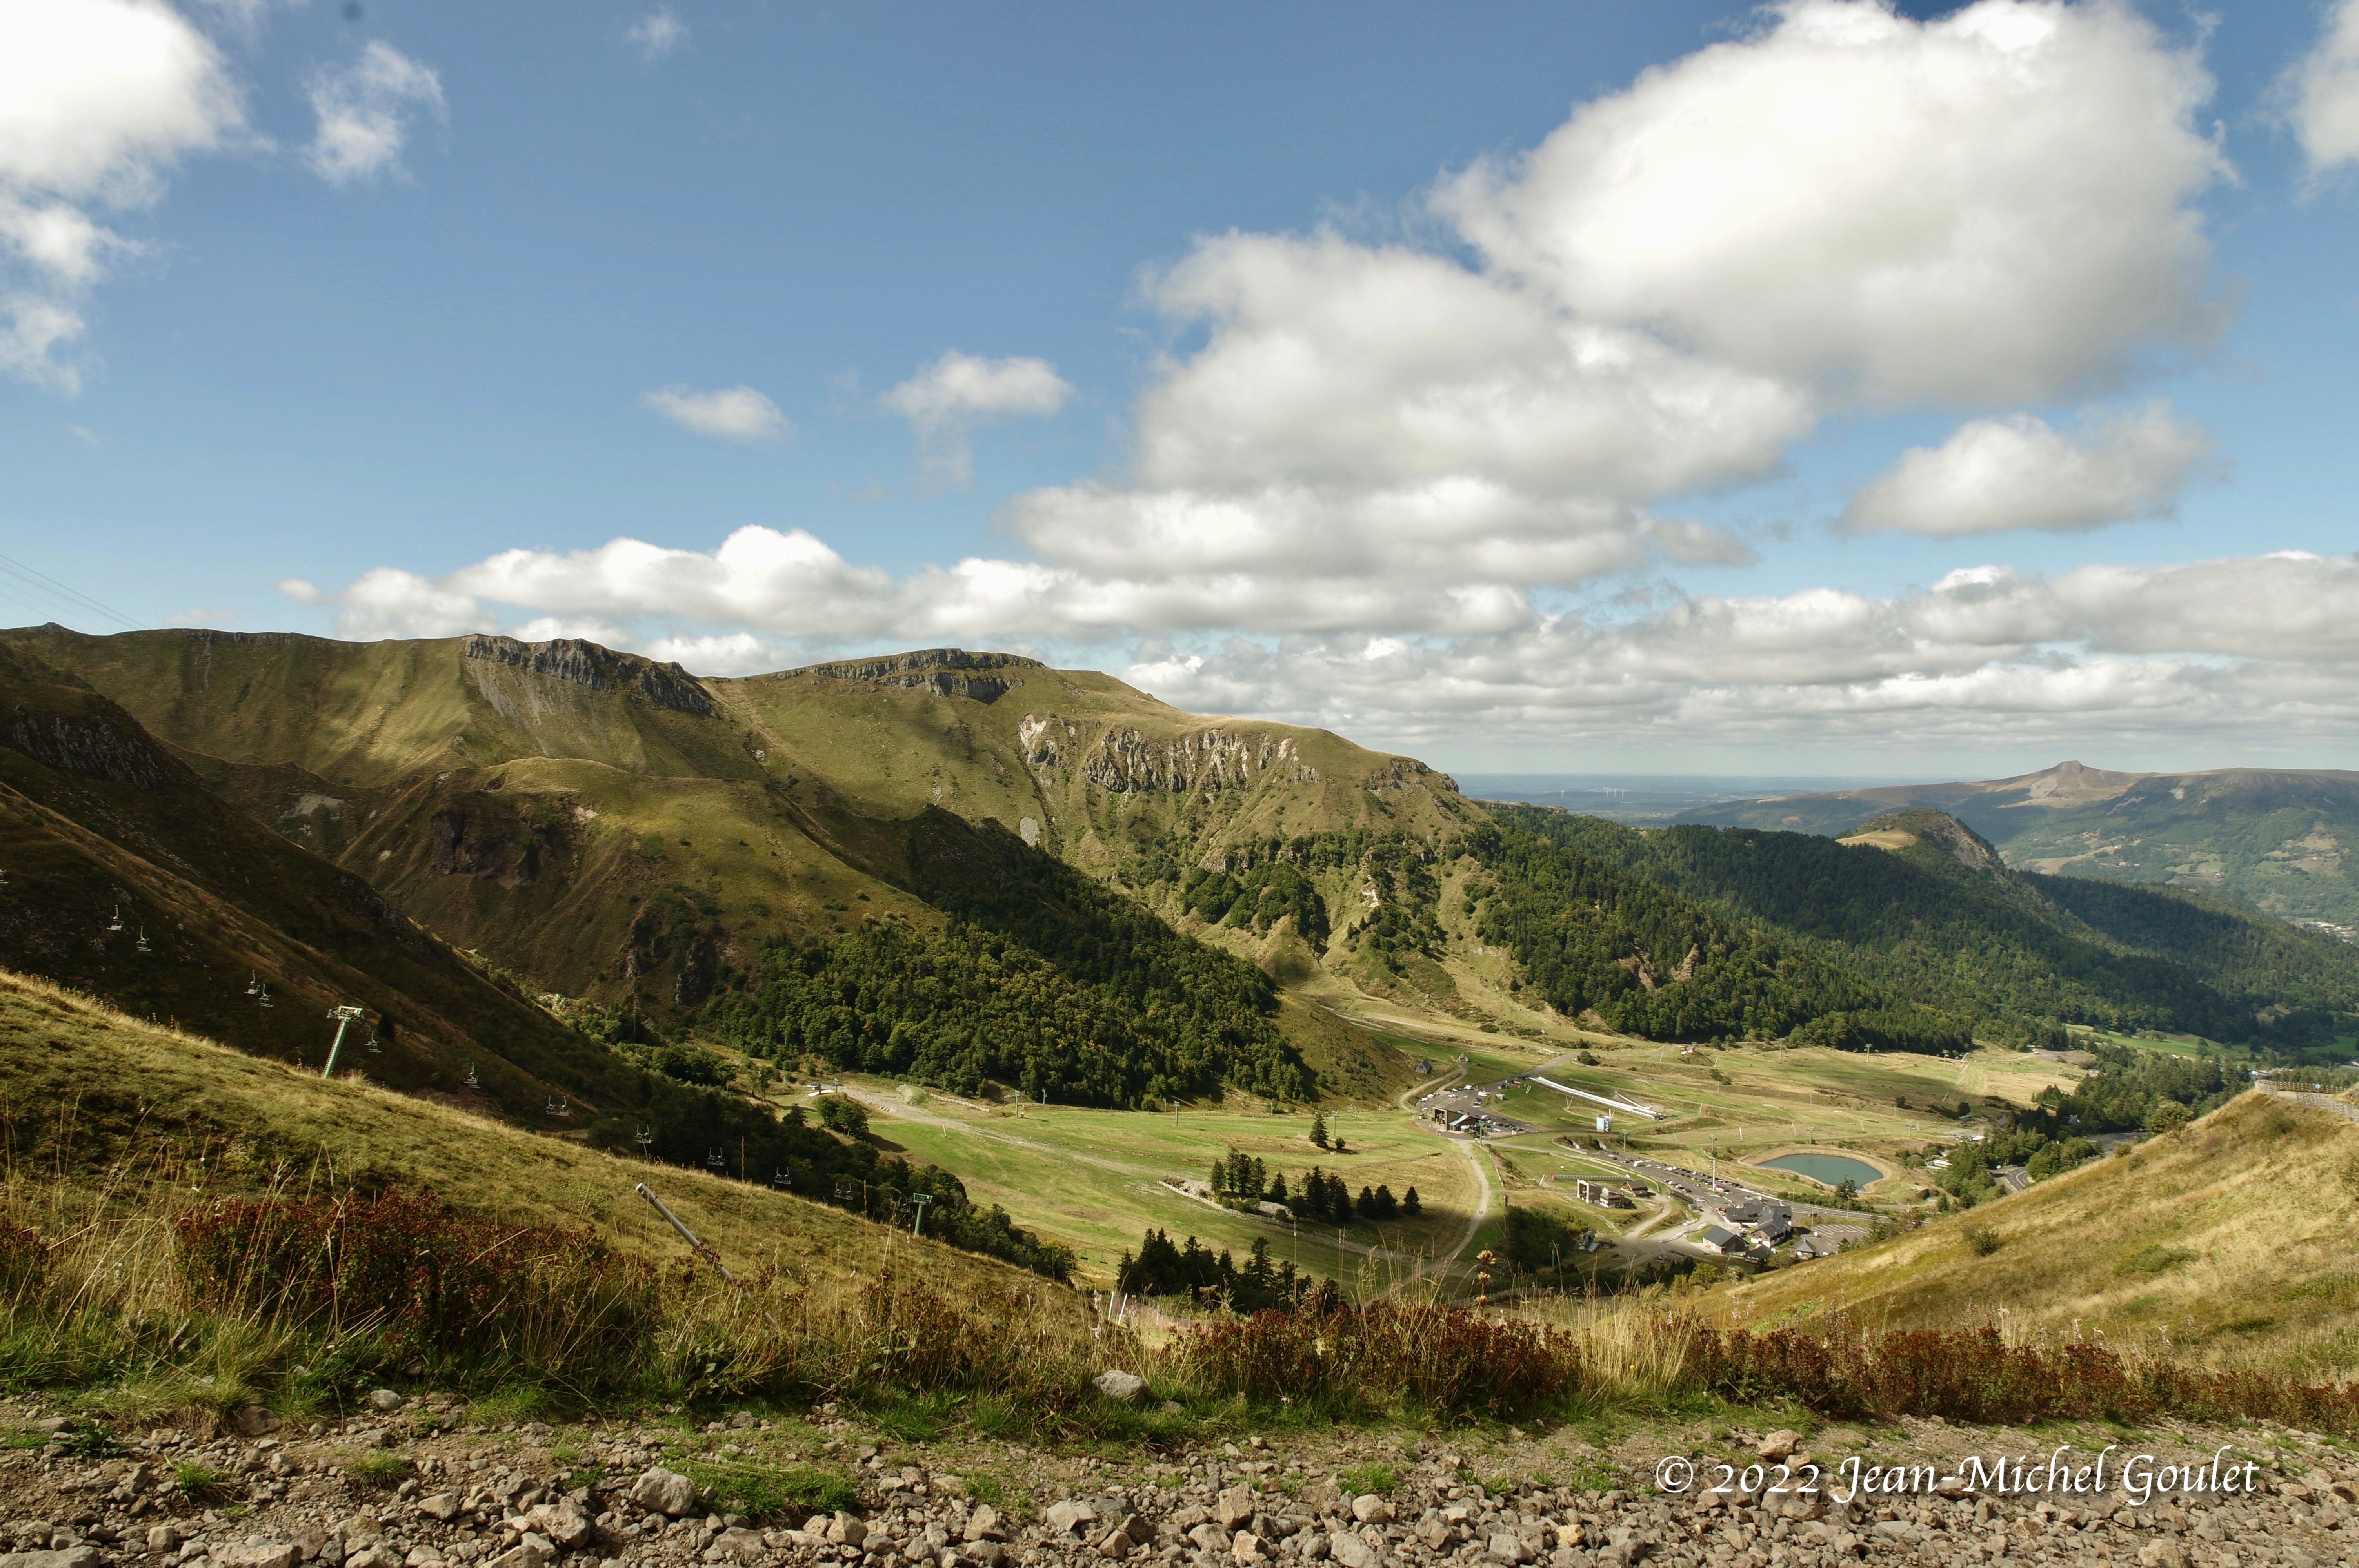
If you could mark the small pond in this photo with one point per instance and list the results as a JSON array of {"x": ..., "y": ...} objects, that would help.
[{"x": 1831, "y": 1169}]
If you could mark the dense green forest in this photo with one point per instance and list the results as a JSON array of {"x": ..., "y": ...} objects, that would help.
[
  {"x": 1041, "y": 978},
  {"x": 1593, "y": 936},
  {"x": 2019, "y": 955}
]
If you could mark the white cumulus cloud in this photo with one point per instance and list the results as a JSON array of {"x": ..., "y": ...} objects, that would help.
[
  {"x": 659, "y": 33},
  {"x": 732, "y": 413},
  {"x": 99, "y": 100},
  {"x": 944, "y": 400},
  {"x": 1361, "y": 482},
  {"x": 1992, "y": 206},
  {"x": 365, "y": 111},
  {"x": 2022, "y": 472},
  {"x": 2325, "y": 92}
]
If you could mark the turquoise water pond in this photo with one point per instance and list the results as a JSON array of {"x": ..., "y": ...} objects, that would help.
[{"x": 1831, "y": 1169}]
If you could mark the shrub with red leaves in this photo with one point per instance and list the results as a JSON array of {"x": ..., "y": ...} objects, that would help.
[
  {"x": 414, "y": 1269},
  {"x": 1444, "y": 1360}
]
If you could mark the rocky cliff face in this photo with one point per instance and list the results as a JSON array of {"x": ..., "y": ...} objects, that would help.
[
  {"x": 96, "y": 746},
  {"x": 945, "y": 671},
  {"x": 1124, "y": 760},
  {"x": 587, "y": 664}
]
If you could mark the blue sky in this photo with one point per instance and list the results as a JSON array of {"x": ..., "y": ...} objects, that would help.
[{"x": 1206, "y": 336}]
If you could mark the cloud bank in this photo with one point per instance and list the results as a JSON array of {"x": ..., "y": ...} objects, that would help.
[{"x": 1392, "y": 487}]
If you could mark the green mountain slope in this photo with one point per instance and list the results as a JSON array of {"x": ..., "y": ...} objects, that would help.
[
  {"x": 2282, "y": 839},
  {"x": 102, "y": 828},
  {"x": 1920, "y": 904}
]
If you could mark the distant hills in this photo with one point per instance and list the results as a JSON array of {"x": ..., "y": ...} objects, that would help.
[
  {"x": 2282, "y": 839},
  {"x": 969, "y": 868}
]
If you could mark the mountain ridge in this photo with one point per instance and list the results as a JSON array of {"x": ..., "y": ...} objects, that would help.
[{"x": 2284, "y": 840}]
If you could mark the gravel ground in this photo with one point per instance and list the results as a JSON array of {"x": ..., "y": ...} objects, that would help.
[{"x": 415, "y": 1484}]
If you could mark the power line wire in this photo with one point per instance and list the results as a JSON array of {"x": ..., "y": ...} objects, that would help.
[{"x": 42, "y": 582}]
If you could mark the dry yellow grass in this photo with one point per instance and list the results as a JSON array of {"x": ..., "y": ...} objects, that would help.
[
  {"x": 91, "y": 1098},
  {"x": 2226, "y": 1244}
]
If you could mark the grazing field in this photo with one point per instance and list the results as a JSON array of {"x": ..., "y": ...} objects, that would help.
[{"x": 1093, "y": 1178}]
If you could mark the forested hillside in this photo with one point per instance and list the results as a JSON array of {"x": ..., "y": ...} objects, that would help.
[
  {"x": 1921, "y": 906},
  {"x": 1042, "y": 979},
  {"x": 1598, "y": 938}
]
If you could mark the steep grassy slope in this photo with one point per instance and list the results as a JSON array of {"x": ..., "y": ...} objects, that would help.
[
  {"x": 1937, "y": 918},
  {"x": 2226, "y": 1242},
  {"x": 95, "y": 1097},
  {"x": 100, "y": 828},
  {"x": 2280, "y": 838},
  {"x": 616, "y": 829}
]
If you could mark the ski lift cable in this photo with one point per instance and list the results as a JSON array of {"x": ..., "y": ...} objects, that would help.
[{"x": 41, "y": 582}]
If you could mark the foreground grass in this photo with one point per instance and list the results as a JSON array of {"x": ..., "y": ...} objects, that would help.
[
  {"x": 88, "y": 1095},
  {"x": 2223, "y": 1245}
]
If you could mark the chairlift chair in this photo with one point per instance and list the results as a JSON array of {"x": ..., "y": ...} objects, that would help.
[
  {"x": 782, "y": 1180},
  {"x": 473, "y": 1082},
  {"x": 265, "y": 1000},
  {"x": 115, "y": 921},
  {"x": 252, "y": 985},
  {"x": 716, "y": 1160},
  {"x": 143, "y": 941},
  {"x": 643, "y": 1137}
]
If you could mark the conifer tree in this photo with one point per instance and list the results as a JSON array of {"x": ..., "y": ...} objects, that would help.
[
  {"x": 1410, "y": 1204},
  {"x": 1319, "y": 1128}
]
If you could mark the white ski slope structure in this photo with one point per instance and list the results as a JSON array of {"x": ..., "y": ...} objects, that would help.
[{"x": 1633, "y": 1108}]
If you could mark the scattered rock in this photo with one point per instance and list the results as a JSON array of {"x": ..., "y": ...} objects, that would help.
[
  {"x": 1778, "y": 1446},
  {"x": 562, "y": 1523},
  {"x": 984, "y": 1524},
  {"x": 1069, "y": 1516},
  {"x": 384, "y": 1400},
  {"x": 1370, "y": 1508},
  {"x": 845, "y": 1531},
  {"x": 742, "y": 1544},
  {"x": 271, "y": 1554},
  {"x": 443, "y": 1506},
  {"x": 1234, "y": 1506},
  {"x": 1123, "y": 1385},
  {"x": 1352, "y": 1551},
  {"x": 1508, "y": 1547},
  {"x": 666, "y": 1492},
  {"x": 252, "y": 1421},
  {"x": 69, "y": 1557}
]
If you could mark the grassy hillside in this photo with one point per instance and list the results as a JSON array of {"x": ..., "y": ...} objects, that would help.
[
  {"x": 2281, "y": 840},
  {"x": 94, "y": 1098},
  {"x": 619, "y": 832},
  {"x": 2226, "y": 1242}
]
